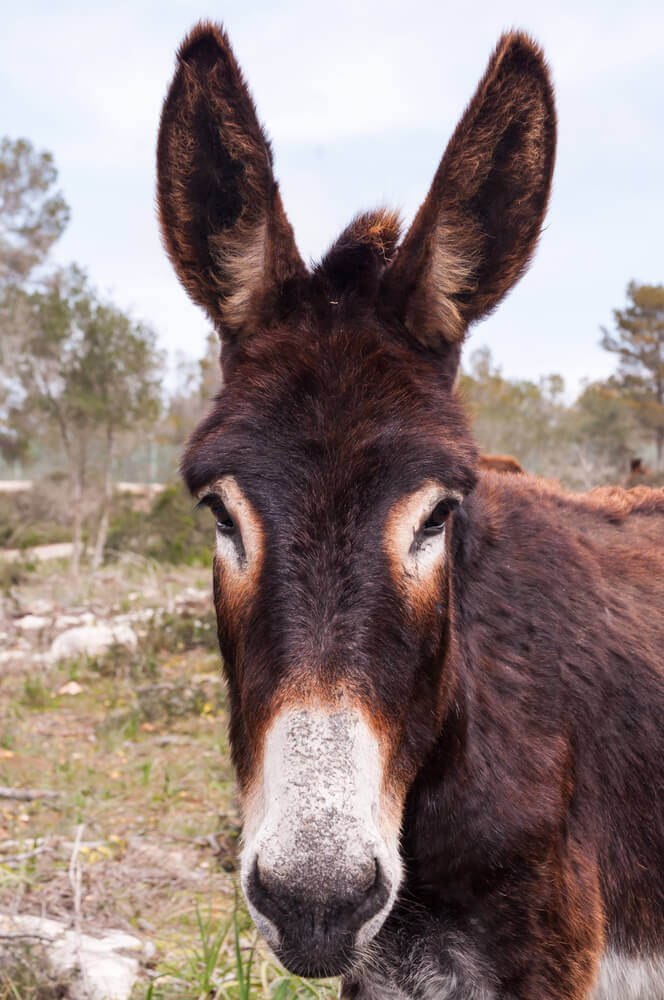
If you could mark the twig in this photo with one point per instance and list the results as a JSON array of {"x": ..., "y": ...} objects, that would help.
[
  {"x": 75, "y": 882},
  {"x": 25, "y": 794},
  {"x": 54, "y": 844},
  {"x": 35, "y": 841},
  {"x": 11, "y": 858}
]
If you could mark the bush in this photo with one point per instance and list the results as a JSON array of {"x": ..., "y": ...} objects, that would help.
[
  {"x": 38, "y": 516},
  {"x": 172, "y": 531}
]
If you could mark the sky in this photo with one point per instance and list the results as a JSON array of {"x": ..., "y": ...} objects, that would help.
[{"x": 359, "y": 99}]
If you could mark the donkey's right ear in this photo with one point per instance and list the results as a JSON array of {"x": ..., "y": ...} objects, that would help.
[{"x": 221, "y": 215}]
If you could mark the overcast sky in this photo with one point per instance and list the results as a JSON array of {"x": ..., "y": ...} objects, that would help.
[{"x": 360, "y": 99}]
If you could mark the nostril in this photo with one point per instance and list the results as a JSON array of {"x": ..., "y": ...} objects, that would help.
[
  {"x": 261, "y": 894},
  {"x": 365, "y": 902}
]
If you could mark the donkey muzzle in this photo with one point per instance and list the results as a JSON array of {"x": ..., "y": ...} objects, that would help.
[{"x": 321, "y": 865}]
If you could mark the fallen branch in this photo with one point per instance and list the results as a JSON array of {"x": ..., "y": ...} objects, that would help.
[
  {"x": 26, "y": 794},
  {"x": 21, "y": 936},
  {"x": 54, "y": 844},
  {"x": 7, "y": 859}
]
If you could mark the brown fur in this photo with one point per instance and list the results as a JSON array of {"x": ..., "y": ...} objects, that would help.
[
  {"x": 519, "y": 695},
  {"x": 501, "y": 463}
]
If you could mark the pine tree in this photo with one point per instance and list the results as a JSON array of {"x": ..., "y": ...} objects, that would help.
[{"x": 638, "y": 340}]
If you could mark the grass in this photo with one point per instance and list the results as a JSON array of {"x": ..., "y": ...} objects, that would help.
[
  {"x": 140, "y": 757},
  {"x": 35, "y": 694},
  {"x": 227, "y": 963},
  {"x": 24, "y": 976}
]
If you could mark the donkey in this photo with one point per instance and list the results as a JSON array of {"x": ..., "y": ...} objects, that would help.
[{"x": 446, "y": 684}]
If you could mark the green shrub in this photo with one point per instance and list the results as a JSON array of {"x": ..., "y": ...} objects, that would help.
[
  {"x": 39, "y": 516},
  {"x": 172, "y": 531}
]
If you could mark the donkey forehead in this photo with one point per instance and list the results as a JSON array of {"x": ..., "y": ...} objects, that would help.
[{"x": 335, "y": 411}]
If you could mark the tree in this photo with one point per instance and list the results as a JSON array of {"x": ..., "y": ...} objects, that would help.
[
  {"x": 581, "y": 443},
  {"x": 514, "y": 416},
  {"x": 602, "y": 434},
  {"x": 89, "y": 373},
  {"x": 32, "y": 214},
  {"x": 638, "y": 340},
  {"x": 197, "y": 384},
  {"x": 115, "y": 382}
]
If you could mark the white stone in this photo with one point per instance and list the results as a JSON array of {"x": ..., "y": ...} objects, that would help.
[
  {"x": 192, "y": 597},
  {"x": 41, "y": 606},
  {"x": 90, "y": 640},
  {"x": 32, "y": 623},
  {"x": 71, "y": 687},
  {"x": 66, "y": 621},
  {"x": 102, "y": 968}
]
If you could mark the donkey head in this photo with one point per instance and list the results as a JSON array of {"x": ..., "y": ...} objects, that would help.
[{"x": 333, "y": 462}]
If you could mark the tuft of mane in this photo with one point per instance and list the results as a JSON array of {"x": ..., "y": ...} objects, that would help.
[{"x": 358, "y": 257}]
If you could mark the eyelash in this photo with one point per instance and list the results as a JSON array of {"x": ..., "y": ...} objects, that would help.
[
  {"x": 224, "y": 522},
  {"x": 437, "y": 519}
]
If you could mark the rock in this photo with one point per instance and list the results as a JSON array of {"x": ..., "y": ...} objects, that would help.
[
  {"x": 90, "y": 640},
  {"x": 66, "y": 621},
  {"x": 193, "y": 598},
  {"x": 102, "y": 968},
  {"x": 32, "y": 623},
  {"x": 71, "y": 687},
  {"x": 41, "y": 606}
]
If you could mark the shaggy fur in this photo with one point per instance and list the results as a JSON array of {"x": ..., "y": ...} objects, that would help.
[
  {"x": 520, "y": 709},
  {"x": 501, "y": 463}
]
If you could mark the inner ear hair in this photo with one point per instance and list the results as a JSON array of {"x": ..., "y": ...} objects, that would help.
[{"x": 476, "y": 231}]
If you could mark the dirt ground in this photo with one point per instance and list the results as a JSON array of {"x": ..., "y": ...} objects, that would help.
[{"x": 130, "y": 748}]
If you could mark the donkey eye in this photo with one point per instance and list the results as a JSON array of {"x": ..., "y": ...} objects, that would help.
[
  {"x": 223, "y": 520},
  {"x": 438, "y": 516}
]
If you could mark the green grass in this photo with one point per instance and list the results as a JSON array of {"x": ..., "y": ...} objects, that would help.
[
  {"x": 35, "y": 694},
  {"x": 228, "y": 962}
]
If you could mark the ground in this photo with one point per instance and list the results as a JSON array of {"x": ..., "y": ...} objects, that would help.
[{"x": 132, "y": 746}]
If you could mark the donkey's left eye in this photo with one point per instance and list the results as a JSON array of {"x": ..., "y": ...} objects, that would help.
[
  {"x": 435, "y": 522},
  {"x": 223, "y": 520}
]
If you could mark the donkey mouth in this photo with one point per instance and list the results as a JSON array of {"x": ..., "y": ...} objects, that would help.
[{"x": 322, "y": 964}]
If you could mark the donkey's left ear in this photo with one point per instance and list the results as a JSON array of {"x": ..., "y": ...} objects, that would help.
[
  {"x": 474, "y": 235},
  {"x": 221, "y": 215}
]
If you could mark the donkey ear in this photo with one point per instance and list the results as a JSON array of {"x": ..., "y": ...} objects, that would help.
[
  {"x": 476, "y": 231},
  {"x": 221, "y": 215}
]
